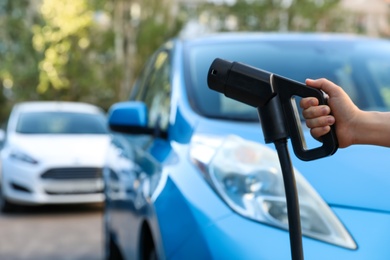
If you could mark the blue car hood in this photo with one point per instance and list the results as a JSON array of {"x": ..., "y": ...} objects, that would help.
[
  {"x": 354, "y": 177},
  {"x": 357, "y": 176}
]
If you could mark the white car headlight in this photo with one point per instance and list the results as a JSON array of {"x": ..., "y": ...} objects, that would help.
[
  {"x": 21, "y": 156},
  {"x": 248, "y": 177}
]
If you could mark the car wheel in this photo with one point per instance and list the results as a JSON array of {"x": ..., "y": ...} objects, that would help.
[
  {"x": 151, "y": 255},
  {"x": 5, "y": 205},
  {"x": 148, "y": 249},
  {"x": 111, "y": 250}
]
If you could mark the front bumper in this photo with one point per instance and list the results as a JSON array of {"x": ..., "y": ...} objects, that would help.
[{"x": 31, "y": 185}]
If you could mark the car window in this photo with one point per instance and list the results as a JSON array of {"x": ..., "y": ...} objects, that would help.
[
  {"x": 60, "y": 123},
  {"x": 155, "y": 89}
]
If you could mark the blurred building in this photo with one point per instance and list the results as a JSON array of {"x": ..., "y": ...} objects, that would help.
[{"x": 370, "y": 17}]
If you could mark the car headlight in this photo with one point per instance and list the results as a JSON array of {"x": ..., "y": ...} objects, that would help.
[
  {"x": 21, "y": 156},
  {"x": 248, "y": 177}
]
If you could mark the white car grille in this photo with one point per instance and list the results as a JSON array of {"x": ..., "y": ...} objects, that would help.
[{"x": 72, "y": 173}]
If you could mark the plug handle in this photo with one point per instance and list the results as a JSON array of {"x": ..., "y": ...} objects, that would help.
[{"x": 287, "y": 89}]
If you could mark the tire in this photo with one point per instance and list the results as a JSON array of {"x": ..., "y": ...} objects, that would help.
[
  {"x": 111, "y": 250},
  {"x": 147, "y": 249},
  {"x": 5, "y": 205},
  {"x": 152, "y": 255}
]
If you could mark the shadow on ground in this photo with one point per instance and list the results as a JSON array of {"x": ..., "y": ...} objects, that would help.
[{"x": 56, "y": 209}]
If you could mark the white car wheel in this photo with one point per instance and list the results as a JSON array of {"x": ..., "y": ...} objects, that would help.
[{"x": 5, "y": 205}]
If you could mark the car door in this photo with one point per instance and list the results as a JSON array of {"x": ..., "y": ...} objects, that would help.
[{"x": 137, "y": 159}]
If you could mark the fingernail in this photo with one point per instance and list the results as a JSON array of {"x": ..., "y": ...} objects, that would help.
[{"x": 331, "y": 120}]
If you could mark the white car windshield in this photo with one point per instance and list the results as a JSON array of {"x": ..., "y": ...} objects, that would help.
[{"x": 61, "y": 123}]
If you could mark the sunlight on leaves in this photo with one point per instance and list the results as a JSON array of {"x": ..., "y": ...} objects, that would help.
[{"x": 66, "y": 20}]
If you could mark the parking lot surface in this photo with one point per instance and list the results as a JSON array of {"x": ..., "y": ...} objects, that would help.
[{"x": 52, "y": 232}]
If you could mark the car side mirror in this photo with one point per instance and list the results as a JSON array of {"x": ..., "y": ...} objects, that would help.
[{"x": 128, "y": 117}]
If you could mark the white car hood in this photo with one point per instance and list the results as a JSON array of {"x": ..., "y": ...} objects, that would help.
[{"x": 66, "y": 150}]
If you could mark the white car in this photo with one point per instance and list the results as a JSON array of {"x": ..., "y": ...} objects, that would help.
[{"x": 53, "y": 153}]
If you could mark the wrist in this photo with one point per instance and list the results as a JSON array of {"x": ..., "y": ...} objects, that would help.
[{"x": 371, "y": 127}]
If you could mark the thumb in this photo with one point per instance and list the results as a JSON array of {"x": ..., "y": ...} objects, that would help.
[{"x": 323, "y": 84}]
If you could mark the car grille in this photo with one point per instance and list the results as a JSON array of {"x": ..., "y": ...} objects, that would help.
[
  {"x": 73, "y": 192},
  {"x": 72, "y": 173}
]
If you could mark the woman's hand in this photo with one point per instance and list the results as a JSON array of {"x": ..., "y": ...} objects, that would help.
[{"x": 340, "y": 111}]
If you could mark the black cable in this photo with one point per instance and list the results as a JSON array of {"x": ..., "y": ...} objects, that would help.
[{"x": 294, "y": 221}]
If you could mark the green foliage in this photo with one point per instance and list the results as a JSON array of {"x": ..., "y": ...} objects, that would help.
[
  {"x": 18, "y": 71},
  {"x": 60, "y": 50},
  {"x": 156, "y": 26},
  {"x": 77, "y": 63},
  {"x": 66, "y": 24}
]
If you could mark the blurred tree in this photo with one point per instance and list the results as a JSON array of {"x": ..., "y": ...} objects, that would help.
[
  {"x": 84, "y": 50},
  {"x": 18, "y": 70},
  {"x": 5, "y": 107},
  {"x": 77, "y": 60},
  {"x": 141, "y": 26}
]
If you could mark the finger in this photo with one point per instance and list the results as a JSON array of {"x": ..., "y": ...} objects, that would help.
[
  {"x": 308, "y": 102},
  {"x": 320, "y": 121},
  {"x": 316, "y": 111},
  {"x": 319, "y": 131}
]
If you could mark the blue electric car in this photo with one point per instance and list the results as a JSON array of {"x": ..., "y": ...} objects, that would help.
[{"x": 189, "y": 176}]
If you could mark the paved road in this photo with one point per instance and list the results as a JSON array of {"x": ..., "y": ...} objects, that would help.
[{"x": 52, "y": 233}]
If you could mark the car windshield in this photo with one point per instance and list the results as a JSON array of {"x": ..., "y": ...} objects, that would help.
[
  {"x": 360, "y": 67},
  {"x": 61, "y": 123}
]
